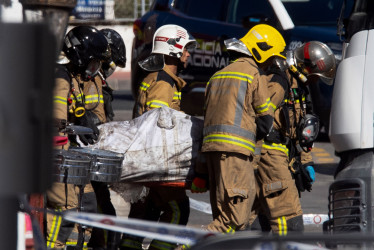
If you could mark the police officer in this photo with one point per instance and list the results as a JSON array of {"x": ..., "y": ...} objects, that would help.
[
  {"x": 285, "y": 167},
  {"x": 236, "y": 113},
  {"x": 162, "y": 88},
  {"x": 84, "y": 49}
]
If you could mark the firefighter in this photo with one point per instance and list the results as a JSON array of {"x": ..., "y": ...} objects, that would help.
[
  {"x": 285, "y": 166},
  {"x": 99, "y": 101},
  {"x": 83, "y": 51},
  {"x": 162, "y": 88},
  {"x": 236, "y": 114},
  {"x": 118, "y": 59}
]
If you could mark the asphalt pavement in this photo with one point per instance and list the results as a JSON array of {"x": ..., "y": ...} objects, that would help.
[{"x": 314, "y": 203}]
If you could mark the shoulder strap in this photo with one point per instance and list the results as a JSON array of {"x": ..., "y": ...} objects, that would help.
[{"x": 163, "y": 76}]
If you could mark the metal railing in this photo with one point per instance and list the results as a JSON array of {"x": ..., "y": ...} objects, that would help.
[{"x": 140, "y": 7}]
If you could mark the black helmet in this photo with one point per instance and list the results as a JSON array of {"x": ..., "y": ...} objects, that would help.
[
  {"x": 86, "y": 48},
  {"x": 117, "y": 46}
]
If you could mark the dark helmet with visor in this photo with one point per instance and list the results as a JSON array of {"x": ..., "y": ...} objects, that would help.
[
  {"x": 118, "y": 50},
  {"x": 86, "y": 48}
]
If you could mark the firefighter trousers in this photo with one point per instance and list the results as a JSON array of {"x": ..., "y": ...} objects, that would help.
[
  {"x": 164, "y": 204},
  {"x": 61, "y": 198},
  {"x": 278, "y": 197},
  {"x": 232, "y": 190}
]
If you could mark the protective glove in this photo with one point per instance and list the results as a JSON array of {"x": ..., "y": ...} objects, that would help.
[
  {"x": 199, "y": 185},
  {"x": 60, "y": 140},
  {"x": 108, "y": 98},
  {"x": 89, "y": 120},
  {"x": 311, "y": 173}
]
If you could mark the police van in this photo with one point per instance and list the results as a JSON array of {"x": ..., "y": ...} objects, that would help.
[{"x": 211, "y": 22}]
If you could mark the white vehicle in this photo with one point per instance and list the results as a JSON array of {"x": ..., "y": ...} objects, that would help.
[{"x": 351, "y": 126}]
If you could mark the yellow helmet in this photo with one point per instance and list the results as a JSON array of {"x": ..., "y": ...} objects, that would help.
[{"x": 264, "y": 41}]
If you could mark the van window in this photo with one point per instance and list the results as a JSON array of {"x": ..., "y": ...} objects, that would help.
[
  {"x": 207, "y": 9},
  {"x": 316, "y": 12},
  {"x": 241, "y": 11}
]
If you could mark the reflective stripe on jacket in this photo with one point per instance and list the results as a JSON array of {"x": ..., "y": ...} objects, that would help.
[
  {"x": 277, "y": 93},
  {"x": 234, "y": 97},
  {"x": 93, "y": 97},
  {"x": 159, "y": 89}
]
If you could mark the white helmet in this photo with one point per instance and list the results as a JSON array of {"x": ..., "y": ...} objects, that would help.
[{"x": 170, "y": 40}]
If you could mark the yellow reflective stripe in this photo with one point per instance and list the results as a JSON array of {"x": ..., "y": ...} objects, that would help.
[
  {"x": 231, "y": 140},
  {"x": 74, "y": 243},
  {"x": 272, "y": 105},
  {"x": 175, "y": 218},
  {"x": 144, "y": 86},
  {"x": 177, "y": 95},
  {"x": 231, "y": 230},
  {"x": 55, "y": 229},
  {"x": 297, "y": 100},
  {"x": 234, "y": 75},
  {"x": 157, "y": 104},
  {"x": 263, "y": 107},
  {"x": 79, "y": 97},
  {"x": 131, "y": 243},
  {"x": 162, "y": 245},
  {"x": 60, "y": 99},
  {"x": 227, "y": 74},
  {"x": 282, "y": 223},
  {"x": 50, "y": 242},
  {"x": 94, "y": 98},
  {"x": 275, "y": 146}
]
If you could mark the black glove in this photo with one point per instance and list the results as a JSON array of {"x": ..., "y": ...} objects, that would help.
[
  {"x": 89, "y": 120},
  {"x": 108, "y": 98},
  {"x": 302, "y": 177}
]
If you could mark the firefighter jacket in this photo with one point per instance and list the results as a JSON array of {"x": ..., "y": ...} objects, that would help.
[
  {"x": 62, "y": 101},
  {"x": 70, "y": 94},
  {"x": 159, "y": 89},
  {"x": 286, "y": 101},
  {"x": 234, "y": 97},
  {"x": 93, "y": 97}
]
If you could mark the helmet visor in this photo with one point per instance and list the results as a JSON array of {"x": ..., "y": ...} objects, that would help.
[
  {"x": 191, "y": 46},
  {"x": 154, "y": 62},
  {"x": 237, "y": 45}
]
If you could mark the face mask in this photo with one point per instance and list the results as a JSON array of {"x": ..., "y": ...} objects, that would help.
[
  {"x": 108, "y": 68},
  {"x": 92, "y": 69},
  {"x": 308, "y": 131}
]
